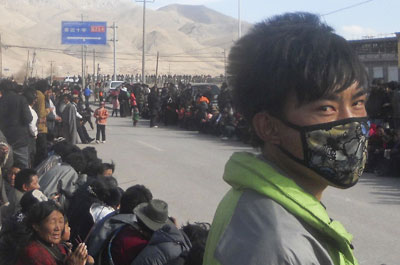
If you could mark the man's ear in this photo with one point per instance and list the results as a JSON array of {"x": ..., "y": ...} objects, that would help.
[
  {"x": 266, "y": 128},
  {"x": 24, "y": 187},
  {"x": 35, "y": 227}
]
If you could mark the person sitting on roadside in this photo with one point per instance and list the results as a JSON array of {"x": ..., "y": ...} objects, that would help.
[
  {"x": 108, "y": 169},
  {"x": 79, "y": 215},
  {"x": 101, "y": 234},
  {"x": 168, "y": 245},
  {"x": 25, "y": 180},
  {"x": 46, "y": 221},
  {"x": 10, "y": 178},
  {"x": 14, "y": 231},
  {"x": 131, "y": 240},
  {"x": 197, "y": 233}
]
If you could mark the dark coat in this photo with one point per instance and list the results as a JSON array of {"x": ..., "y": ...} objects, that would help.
[
  {"x": 154, "y": 102},
  {"x": 15, "y": 117},
  {"x": 166, "y": 246}
]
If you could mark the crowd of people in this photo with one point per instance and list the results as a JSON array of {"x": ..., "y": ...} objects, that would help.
[
  {"x": 151, "y": 79},
  {"x": 205, "y": 110},
  {"x": 60, "y": 204},
  {"x": 384, "y": 141}
]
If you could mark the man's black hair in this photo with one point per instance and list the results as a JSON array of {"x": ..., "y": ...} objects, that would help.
[
  {"x": 113, "y": 197},
  {"x": 110, "y": 181},
  {"x": 30, "y": 96},
  {"x": 67, "y": 96},
  {"x": 77, "y": 161},
  {"x": 7, "y": 85},
  {"x": 28, "y": 201},
  {"x": 109, "y": 166},
  {"x": 24, "y": 177},
  {"x": 94, "y": 168},
  {"x": 134, "y": 196},
  {"x": 90, "y": 153},
  {"x": 42, "y": 85},
  {"x": 63, "y": 149},
  {"x": 290, "y": 53},
  {"x": 197, "y": 233}
]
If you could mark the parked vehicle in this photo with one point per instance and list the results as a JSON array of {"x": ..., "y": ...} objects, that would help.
[
  {"x": 110, "y": 88},
  {"x": 70, "y": 79}
]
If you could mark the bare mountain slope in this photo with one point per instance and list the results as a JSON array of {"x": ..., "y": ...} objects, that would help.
[{"x": 190, "y": 39}]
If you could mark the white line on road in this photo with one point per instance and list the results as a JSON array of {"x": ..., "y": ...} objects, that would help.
[{"x": 151, "y": 146}]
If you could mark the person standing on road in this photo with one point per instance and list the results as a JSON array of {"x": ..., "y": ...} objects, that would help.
[
  {"x": 87, "y": 92},
  {"x": 154, "y": 105},
  {"x": 306, "y": 103},
  {"x": 101, "y": 115},
  {"x": 15, "y": 117},
  {"x": 115, "y": 103},
  {"x": 68, "y": 116}
]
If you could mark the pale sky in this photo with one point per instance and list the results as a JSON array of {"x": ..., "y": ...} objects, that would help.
[{"x": 374, "y": 18}]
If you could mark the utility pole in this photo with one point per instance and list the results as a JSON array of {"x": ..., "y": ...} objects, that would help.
[
  {"x": 33, "y": 63},
  {"x": 225, "y": 64},
  {"x": 94, "y": 66},
  {"x": 51, "y": 72},
  {"x": 144, "y": 38},
  {"x": 83, "y": 64},
  {"x": 86, "y": 67},
  {"x": 27, "y": 67},
  {"x": 239, "y": 22},
  {"x": 158, "y": 56},
  {"x": 114, "y": 39}
]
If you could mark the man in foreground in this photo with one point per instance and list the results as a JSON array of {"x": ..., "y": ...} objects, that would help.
[{"x": 304, "y": 91}]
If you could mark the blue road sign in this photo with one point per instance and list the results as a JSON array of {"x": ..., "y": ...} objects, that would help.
[{"x": 84, "y": 33}]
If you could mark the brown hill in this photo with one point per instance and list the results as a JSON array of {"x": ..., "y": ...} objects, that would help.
[{"x": 190, "y": 39}]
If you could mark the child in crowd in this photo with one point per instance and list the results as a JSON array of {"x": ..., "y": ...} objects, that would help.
[
  {"x": 135, "y": 115},
  {"x": 115, "y": 103},
  {"x": 101, "y": 115}
]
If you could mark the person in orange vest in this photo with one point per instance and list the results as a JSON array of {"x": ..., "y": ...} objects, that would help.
[
  {"x": 101, "y": 95},
  {"x": 203, "y": 99},
  {"x": 101, "y": 115}
]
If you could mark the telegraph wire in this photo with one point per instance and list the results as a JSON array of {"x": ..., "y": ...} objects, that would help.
[{"x": 347, "y": 7}]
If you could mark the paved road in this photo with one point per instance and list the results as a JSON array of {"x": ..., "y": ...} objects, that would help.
[{"x": 185, "y": 169}]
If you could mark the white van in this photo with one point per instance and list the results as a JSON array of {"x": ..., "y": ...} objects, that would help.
[{"x": 109, "y": 86}]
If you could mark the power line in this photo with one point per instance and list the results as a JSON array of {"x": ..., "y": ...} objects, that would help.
[
  {"x": 345, "y": 8},
  {"x": 200, "y": 49},
  {"x": 73, "y": 52}
]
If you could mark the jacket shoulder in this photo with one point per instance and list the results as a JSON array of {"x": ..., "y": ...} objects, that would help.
[{"x": 261, "y": 231}]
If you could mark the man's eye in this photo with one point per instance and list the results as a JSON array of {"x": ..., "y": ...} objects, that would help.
[
  {"x": 326, "y": 108},
  {"x": 359, "y": 103}
]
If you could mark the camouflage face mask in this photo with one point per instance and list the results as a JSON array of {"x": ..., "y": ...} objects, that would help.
[{"x": 337, "y": 151}]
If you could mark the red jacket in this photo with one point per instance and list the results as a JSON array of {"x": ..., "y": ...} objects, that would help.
[
  {"x": 128, "y": 243},
  {"x": 36, "y": 254},
  {"x": 133, "y": 100}
]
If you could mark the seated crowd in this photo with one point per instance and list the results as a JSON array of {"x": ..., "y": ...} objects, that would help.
[
  {"x": 70, "y": 210},
  {"x": 384, "y": 142}
]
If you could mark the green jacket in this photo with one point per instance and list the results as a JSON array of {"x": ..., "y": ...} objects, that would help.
[{"x": 267, "y": 219}]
